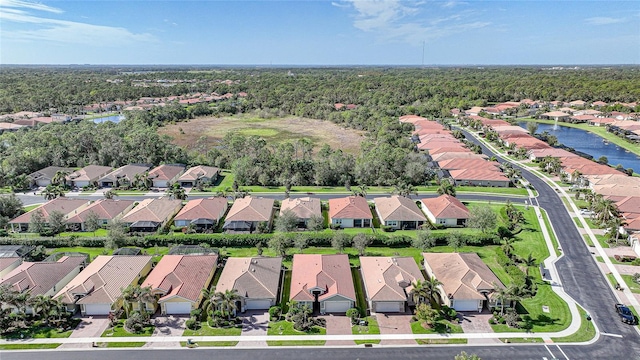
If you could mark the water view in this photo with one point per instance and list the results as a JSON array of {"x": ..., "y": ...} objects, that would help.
[
  {"x": 591, "y": 144},
  {"x": 112, "y": 118}
]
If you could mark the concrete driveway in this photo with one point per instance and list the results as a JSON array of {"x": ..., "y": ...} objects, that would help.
[
  {"x": 91, "y": 326},
  {"x": 338, "y": 325},
  {"x": 395, "y": 324},
  {"x": 167, "y": 325},
  {"x": 254, "y": 323},
  {"x": 475, "y": 322}
]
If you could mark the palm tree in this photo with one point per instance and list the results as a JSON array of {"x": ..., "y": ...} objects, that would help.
[
  {"x": 109, "y": 194},
  {"x": 507, "y": 246},
  {"x": 208, "y": 301},
  {"x": 41, "y": 305},
  {"x": 177, "y": 192},
  {"x": 60, "y": 178},
  {"x": 501, "y": 294},
  {"x": 226, "y": 302},
  {"x": 404, "y": 189},
  {"x": 419, "y": 292},
  {"x": 446, "y": 187},
  {"x": 614, "y": 224},
  {"x": 426, "y": 290},
  {"x": 51, "y": 192},
  {"x": 605, "y": 210}
]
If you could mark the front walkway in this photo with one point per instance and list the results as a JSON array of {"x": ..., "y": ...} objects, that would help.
[
  {"x": 167, "y": 326},
  {"x": 89, "y": 327},
  {"x": 338, "y": 325},
  {"x": 477, "y": 323},
  {"x": 254, "y": 323},
  {"x": 394, "y": 324}
]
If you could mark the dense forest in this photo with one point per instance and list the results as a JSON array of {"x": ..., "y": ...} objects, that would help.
[{"x": 381, "y": 96}]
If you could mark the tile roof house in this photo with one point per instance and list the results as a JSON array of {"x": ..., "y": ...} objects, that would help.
[
  {"x": 44, "y": 176},
  {"x": 7, "y": 264},
  {"x": 97, "y": 290},
  {"x": 204, "y": 174},
  {"x": 399, "y": 212},
  {"x": 304, "y": 208},
  {"x": 349, "y": 212},
  {"x": 256, "y": 280},
  {"x": 178, "y": 280},
  {"x": 44, "y": 278},
  {"x": 323, "y": 282},
  {"x": 106, "y": 209},
  {"x": 445, "y": 210},
  {"x": 479, "y": 177},
  {"x": 121, "y": 175},
  {"x": 164, "y": 175},
  {"x": 556, "y": 115},
  {"x": 388, "y": 282},
  {"x": 467, "y": 283},
  {"x": 66, "y": 206},
  {"x": 202, "y": 213},
  {"x": 88, "y": 175},
  {"x": 246, "y": 213},
  {"x": 151, "y": 214}
]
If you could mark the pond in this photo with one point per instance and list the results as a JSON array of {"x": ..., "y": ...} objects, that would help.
[
  {"x": 112, "y": 118},
  {"x": 591, "y": 144}
]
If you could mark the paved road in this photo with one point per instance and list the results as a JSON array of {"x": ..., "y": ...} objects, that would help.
[{"x": 578, "y": 271}]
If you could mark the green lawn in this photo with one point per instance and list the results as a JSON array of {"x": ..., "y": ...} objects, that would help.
[
  {"x": 284, "y": 327},
  {"x": 212, "y": 343},
  {"x": 603, "y": 241},
  {"x": 206, "y": 330},
  {"x": 286, "y": 288},
  {"x": 30, "y": 207},
  {"x": 632, "y": 285},
  {"x": 558, "y": 318},
  {"x": 98, "y": 233},
  {"x": 587, "y": 238},
  {"x": 28, "y": 346},
  {"x": 361, "y": 302},
  {"x": 554, "y": 240},
  {"x": 521, "y": 340},
  {"x": 296, "y": 343},
  {"x": 119, "y": 331},
  {"x": 38, "y": 332},
  {"x": 440, "y": 341},
  {"x": 586, "y": 332},
  {"x": 440, "y": 328},
  {"x": 125, "y": 344},
  {"x": 371, "y": 329}
]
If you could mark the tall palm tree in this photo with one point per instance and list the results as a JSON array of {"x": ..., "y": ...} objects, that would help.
[
  {"x": 446, "y": 187},
  {"x": 60, "y": 178},
  {"x": 507, "y": 246},
  {"x": 502, "y": 295},
  {"x": 51, "y": 192},
  {"x": 208, "y": 301},
  {"x": 227, "y": 302},
  {"x": 605, "y": 210},
  {"x": 426, "y": 291},
  {"x": 614, "y": 224},
  {"x": 41, "y": 305}
]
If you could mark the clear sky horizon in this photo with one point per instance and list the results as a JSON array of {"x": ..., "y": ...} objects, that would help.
[{"x": 307, "y": 32}]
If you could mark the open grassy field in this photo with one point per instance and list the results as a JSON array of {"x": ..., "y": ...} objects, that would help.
[{"x": 210, "y": 130}]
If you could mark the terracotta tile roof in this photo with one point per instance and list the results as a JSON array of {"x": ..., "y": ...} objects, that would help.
[
  {"x": 304, "y": 207},
  {"x": 463, "y": 275},
  {"x": 38, "y": 278},
  {"x": 251, "y": 209},
  {"x": 629, "y": 204},
  {"x": 439, "y": 143},
  {"x": 253, "y": 278},
  {"x": 553, "y": 152},
  {"x": 6, "y": 262},
  {"x": 457, "y": 155},
  {"x": 398, "y": 208},
  {"x": 598, "y": 103},
  {"x": 446, "y": 207},
  {"x": 389, "y": 278},
  {"x": 181, "y": 275},
  {"x": 509, "y": 129},
  {"x": 477, "y": 175},
  {"x": 106, "y": 209},
  {"x": 166, "y": 172},
  {"x": 449, "y": 149},
  {"x": 350, "y": 207},
  {"x": 602, "y": 121},
  {"x": 556, "y": 114},
  {"x": 411, "y": 118},
  {"x": 89, "y": 173},
  {"x": 467, "y": 163},
  {"x": 9, "y": 126},
  {"x": 156, "y": 210},
  {"x": 104, "y": 279},
  {"x": 62, "y": 204},
  {"x": 529, "y": 142},
  {"x": 197, "y": 172},
  {"x": 211, "y": 208},
  {"x": 492, "y": 122},
  {"x": 330, "y": 273},
  {"x": 583, "y": 117}
]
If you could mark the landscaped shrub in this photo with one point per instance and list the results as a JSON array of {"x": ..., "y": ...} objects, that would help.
[
  {"x": 136, "y": 322},
  {"x": 192, "y": 324},
  {"x": 275, "y": 312},
  {"x": 386, "y": 228},
  {"x": 354, "y": 315}
]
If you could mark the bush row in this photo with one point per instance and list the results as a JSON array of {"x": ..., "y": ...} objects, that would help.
[{"x": 321, "y": 239}]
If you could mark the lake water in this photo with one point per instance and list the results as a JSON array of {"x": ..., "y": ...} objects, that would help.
[
  {"x": 112, "y": 118},
  {"x": 591, "y": 144}
]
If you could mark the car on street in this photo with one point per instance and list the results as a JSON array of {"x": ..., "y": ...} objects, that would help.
[{"x": 625, "y": 314}]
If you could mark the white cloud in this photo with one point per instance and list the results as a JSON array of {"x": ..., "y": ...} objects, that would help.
[
  {"x": 601, "y": 20},
  {"x": 395, "y": 20},
  {"x": 61, "y": 31}
]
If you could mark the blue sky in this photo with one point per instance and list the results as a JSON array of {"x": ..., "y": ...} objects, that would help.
[{"x": 338, "y": 32}]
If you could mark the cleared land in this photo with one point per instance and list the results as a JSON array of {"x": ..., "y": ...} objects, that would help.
[{"x": 210, "y": 131}]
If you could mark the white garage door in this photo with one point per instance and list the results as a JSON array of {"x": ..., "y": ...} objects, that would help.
[
  {"x": 177, "y": 308},
  {"x": 97, "y": 309},
  {"x": 465, "y": 305},
  {"x": 337, "y": 306},
  {"x": 388, "y": 306},
  {"x": 258, "y": 304}
]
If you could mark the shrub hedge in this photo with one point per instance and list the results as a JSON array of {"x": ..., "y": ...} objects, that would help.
[{"x": 321, "y": 239}]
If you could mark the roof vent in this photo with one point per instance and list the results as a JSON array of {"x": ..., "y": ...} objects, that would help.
[{"x": 253, "y": 270}]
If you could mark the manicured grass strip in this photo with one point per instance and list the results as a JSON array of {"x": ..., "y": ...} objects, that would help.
[
  {"x": 521, "y": 340},
  {"x": 361, "y": 342},
  {"x": 603, "y": 241},
  {"x": 361, "y": 303},
  {"x": 586, "y": 332},
  {"x": 98, "y": 233},
  {"x": 371, "y": 328},
  {"x": 286, "y": 287},
  {"x": 552, "y": 235},
  {"x": 632, "y": 285},
  {"x": 125, "y": 344},
  {"x": 212, "y": 343},
  {"x": 440, "y": 341},
  {"x": 296, "y": 343},
  {"x": 119, "y": 331},
  {"x": 206, "y": 330},
  {"x": 30, "y": 207},
  {"x": 38, "y": 333},
  {"x": 439, "y": 328},
  {"x": 28, "y": 346},
  {"x": 587, "y": 238},
  {"x": 284, "y": 327}
]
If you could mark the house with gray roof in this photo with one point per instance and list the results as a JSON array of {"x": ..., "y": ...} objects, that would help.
[{"x": 256, "y": 279}]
